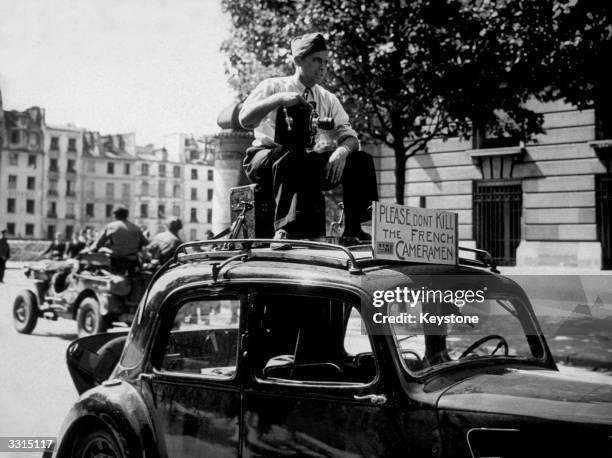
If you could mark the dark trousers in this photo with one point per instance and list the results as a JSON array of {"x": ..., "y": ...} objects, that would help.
[
  {"x": 296, "y": 179},
  {"x": 2, "y": 267}
]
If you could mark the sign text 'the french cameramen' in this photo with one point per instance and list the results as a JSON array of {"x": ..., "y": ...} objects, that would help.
[{"x": 414, "y": 234}]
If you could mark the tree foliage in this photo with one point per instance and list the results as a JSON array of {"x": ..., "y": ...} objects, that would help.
[
  {"x": 579, "y": 62},
  {"x": 411, "y": 70}
]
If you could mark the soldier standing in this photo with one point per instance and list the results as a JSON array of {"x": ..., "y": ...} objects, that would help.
[{"x": 5, "y": 254}]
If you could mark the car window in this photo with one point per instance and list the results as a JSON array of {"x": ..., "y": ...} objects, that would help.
[
  {"x": 442, "y": 333},
  {"x": 311, "y": 339},
  {"x": 204, "y": 339}
]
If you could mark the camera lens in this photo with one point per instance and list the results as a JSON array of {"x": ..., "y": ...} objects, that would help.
[{"x": 325, "y": 123}]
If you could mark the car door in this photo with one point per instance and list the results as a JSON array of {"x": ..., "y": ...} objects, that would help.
[
  {"x": 195, "y": 384},
  {"x": 314, "y": 386}
]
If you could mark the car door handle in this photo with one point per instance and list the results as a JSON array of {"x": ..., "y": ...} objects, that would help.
[
  {"x": 146, "y": 377},
  {"x": 376, "y": 399}
]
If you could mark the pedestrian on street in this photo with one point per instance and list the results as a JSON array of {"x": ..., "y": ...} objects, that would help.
[{"x": 5, "y": 254}]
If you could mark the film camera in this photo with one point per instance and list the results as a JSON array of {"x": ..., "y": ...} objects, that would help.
[{"x": 296, "y": 126}]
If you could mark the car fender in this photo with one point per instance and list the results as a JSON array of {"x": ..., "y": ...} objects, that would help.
[{"x": 117, "y": 406}]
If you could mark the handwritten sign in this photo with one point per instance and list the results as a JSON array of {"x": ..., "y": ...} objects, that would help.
[{"x": 414, "y": 234}]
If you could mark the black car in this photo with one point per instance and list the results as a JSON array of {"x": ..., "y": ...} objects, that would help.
[{"x": 311, "y": 352}]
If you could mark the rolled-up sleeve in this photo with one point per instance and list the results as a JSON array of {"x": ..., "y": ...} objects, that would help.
[
  {"x": 263, "y": 90},
  {"x": 343, "y": 128}
]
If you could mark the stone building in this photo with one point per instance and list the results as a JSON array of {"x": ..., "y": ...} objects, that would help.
[
  {"x": 108, "y": 176},
  {"x": 62, "y": 189},
  {"x": 545, "y": 203},
  {"x": 199, "y": 175},
  {"x": 22, "y": 172},
  {"x": 158, "y": 188}
]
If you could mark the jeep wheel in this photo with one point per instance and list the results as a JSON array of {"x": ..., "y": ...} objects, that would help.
[
  {"x": 96, "y": 443},
  {"x": 25, "y": 312},
  {"x": 89, "y": 319}
]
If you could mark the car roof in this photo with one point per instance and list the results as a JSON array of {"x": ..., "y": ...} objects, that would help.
[{"x": 306, "y": 264}]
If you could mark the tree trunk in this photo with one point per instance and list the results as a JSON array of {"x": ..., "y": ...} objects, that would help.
[{"x": 400, "y": 173}]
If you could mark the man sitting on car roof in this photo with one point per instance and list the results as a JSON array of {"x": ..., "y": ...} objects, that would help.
[{"x": 298, "y": 174}]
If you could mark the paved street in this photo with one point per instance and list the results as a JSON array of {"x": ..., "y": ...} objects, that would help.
[{"x": 35, "y": 388}]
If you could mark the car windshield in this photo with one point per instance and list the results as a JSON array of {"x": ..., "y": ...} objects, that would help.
[{"x": 442, "y": 333}]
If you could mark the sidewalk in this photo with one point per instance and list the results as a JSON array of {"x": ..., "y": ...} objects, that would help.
[{"x": 550, "y": 270}]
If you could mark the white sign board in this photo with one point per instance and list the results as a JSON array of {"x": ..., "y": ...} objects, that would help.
[{"x": 414, "y": 234}]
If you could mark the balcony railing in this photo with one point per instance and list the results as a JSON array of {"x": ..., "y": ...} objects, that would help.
[{"x": 52, "y": 192}]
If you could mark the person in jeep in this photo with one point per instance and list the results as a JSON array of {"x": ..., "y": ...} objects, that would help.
[
  {"x": 123, "y": 239},
  {"x": 164, "y": 244}
]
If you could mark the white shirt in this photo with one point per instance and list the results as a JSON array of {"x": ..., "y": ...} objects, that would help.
[{"x": 328, "y": 105}]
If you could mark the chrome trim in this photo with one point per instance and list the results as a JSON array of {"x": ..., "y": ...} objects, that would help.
[{"x": 467, "y": 435}]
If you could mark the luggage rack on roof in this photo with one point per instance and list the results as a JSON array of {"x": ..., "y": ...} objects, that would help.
[
  {"x": 230, "y": 250},
  {"x": 197, "y": 251},
  {"x": 483, "y": 259}
]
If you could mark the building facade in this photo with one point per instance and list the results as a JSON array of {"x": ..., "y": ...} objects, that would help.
[
  {"x": 198, "y": 179},
  {"x": 108, "y": 171},
  {"x": 159, "y": 189},
  {"x": 22, "y": 172},
  {"x": 62, "y": 179},
  {"x": 545, "y": 203},
  {"x": 62, "y": 199}
]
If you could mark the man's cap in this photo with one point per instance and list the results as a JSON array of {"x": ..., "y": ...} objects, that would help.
[
  {"x": 307, "y": 44},
  {"x": 121, "y": 210},
  {"x": 175, "y": 224}
]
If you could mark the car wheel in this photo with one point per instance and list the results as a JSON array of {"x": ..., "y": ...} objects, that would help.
[
  {"x": 25, "y": 312},
  {"x": 96, "y": 443},
  {"x": 89, "y": 319}
]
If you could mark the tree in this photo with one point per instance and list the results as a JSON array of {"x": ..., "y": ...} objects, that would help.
[
  {"x": 408, "y": 70},
  {"x": 579, "y": 68}
]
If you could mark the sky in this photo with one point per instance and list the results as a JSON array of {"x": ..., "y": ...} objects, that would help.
[{"x": 152, "y": 67}]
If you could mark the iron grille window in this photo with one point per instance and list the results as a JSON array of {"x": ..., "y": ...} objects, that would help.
[
  {"x": 603, "y": 193},
  {"x": 498, "y": 207}
]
